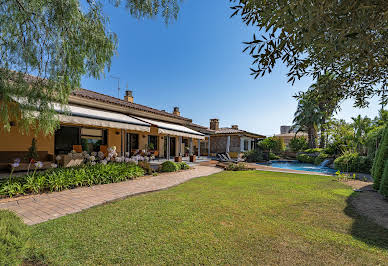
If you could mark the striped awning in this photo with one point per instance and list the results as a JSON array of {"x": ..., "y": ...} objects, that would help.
[
  {"x": 93, "y": 117},
  {"x": 173, "y": 129}
]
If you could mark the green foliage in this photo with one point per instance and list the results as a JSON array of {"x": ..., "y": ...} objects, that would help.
[
  {"x": 384, "y": 181},
  {"x": 330, "y": 36},
  {"x": 320, "y": 158},
  {"x": 169, "y": 166},
  {"x": 273, "y": 156},
  {"x": 59, "y": 42},
  {"x": 272, "y": 144},
  {"x": 361, "y": 125},
  {"x": 65, "y": 178},
  {"x": 379, "y": 161},
  {"x": 253, "y": 156},
  {"x": 298, "y": 144},
  {"x": 305, "y": 158},
  {"x": 237, "y": 167},
  {"x": 353, "y": 162},
  {"x": 146, "y": 167},
  {"x": 183, "y": 166},
  {"x": 314, "y": 150},
  {"x": 308, "y": 117},
  {"x": 14, "y": 235},
  {"x": 32, "y": 153},
  {"x": 373, "y": 140},
  {"x": 340, "y": 137}
]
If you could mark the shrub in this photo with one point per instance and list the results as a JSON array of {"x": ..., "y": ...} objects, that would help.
[
  {"x": 183, "y": 166},
  {"x": 146, "y": 167},
  {"x": 381, "y": 157},
  {"x": 64, "y": 178},
  {"x": 334, "y": 148},
  {"x": 273, "y": 156},
  {"x": 320, "y": 158},
  {"x": 298, "y": 144},
  {"x": 352, "y": 162},
  {"x": 14, "y": 235},
  {"x": 169, "y": 166},
  {"x": 305, "y": 158},
  {"x": 237, "y": 167},
  {"x": 273, "y": 144},
  {"x": 315, "y": 150},
  {"x": 253, "y": 156},
  {"x": 384, "y": 181}
]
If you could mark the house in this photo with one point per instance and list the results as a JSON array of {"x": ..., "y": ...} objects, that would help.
[
  {"x": 287, "y": 134},
  {"x": 231, "y": 140},
  {"x": 94, "y": 122}
]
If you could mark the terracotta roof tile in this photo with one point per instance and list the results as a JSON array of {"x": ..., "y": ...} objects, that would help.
[{"x": 83, "y": 93}]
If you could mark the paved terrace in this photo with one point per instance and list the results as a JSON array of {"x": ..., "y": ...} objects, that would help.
[{"x": 43, "y": 207}]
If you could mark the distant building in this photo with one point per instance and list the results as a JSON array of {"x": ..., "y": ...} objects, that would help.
[{"x": 287, "y": 134}]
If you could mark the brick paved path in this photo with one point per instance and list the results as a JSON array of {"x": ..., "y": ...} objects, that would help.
[{"x": 40, "y": 208}]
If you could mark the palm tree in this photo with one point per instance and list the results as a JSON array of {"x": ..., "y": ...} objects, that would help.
[
  {"x": 327, "y": 92},
  {"x": 307, "y": 117},
  {"x": 361, "y": 127}
]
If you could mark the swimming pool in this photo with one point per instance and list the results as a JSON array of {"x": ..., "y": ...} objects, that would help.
[{"x": 295, "y": 165}]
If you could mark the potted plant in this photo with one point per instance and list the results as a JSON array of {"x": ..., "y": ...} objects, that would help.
[
  {"x": 193, "y": 158},
  {"x": 178, "y": 159}
]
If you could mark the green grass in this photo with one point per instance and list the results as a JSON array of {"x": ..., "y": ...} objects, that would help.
[{"x": 248, "y": 217}]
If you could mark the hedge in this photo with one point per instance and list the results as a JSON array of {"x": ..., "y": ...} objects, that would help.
[
  {"x": 353, "y": 162},
  {"x": 379, "y": 161},
  {"x": 65, "y": 178},
  {"x": 14, "y": 235},
  {"x": 384, "y": 181}
]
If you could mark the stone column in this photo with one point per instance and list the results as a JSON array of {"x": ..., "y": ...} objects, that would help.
[
  {"x": 208, "y": 146},
  {"x": 180, "y": 146},
  {"x": 191, "y": 146},
  {"x": 199, "y": 147},
  {"x": 227, "y": 144}
]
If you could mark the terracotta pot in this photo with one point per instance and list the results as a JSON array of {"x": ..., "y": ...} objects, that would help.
[
  {"x": 193, "y": 158},
  {"x": 178, "y": 159}
]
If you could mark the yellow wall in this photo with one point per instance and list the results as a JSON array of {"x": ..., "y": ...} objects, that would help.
[
  {"x": 15, "y": 141},
  {"x": 114, "y": 139}
]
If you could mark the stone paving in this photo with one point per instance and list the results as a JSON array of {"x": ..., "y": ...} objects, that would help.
[{"x": 40, "y": 208}]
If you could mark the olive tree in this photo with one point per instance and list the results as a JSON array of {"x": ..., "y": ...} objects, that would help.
[{"x": 348, "y": 39}]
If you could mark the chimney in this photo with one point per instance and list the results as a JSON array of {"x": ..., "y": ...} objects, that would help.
[
  {"x": 176, "y": 111},
  {"x": 128, "y": 96},
  {"x": 214, "y": 124},
  {"x": 235, "y": 126}
]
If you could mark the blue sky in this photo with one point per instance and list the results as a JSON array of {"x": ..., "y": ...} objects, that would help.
[{"x": 197, "y": 63}]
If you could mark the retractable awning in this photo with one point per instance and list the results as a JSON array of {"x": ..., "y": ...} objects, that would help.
[
  {"x": 173, "y": 129},
  {"x": 93, "y": 117}
]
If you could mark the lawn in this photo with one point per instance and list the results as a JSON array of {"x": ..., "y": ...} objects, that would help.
[{"x": 227, "y": 218}]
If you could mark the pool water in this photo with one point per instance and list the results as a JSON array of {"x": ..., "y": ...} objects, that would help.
[{"x": 295, "y": 165}]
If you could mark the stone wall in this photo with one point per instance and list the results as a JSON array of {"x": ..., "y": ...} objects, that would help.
[{"x": 218, "y": 144}]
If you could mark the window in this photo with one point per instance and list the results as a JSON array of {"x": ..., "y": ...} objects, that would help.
[
  {"x": 152, "y": 142},
  {"x": 65, "y": 138},
  {"x": 92, "y": 139},
  {"x": 246, "y": 145},
  {"x": 134, "y": 140}
]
